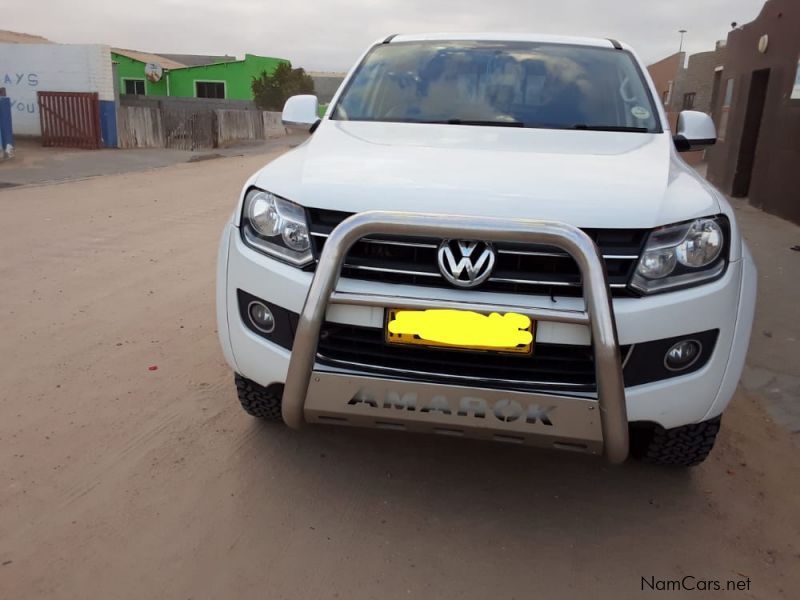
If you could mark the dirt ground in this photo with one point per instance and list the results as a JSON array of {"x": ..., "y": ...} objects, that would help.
[
  {"x": 117, "y": 481},
  {"x": 34, "y": 164}
]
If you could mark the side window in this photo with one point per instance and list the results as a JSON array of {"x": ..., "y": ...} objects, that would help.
[
  {"x": 668, "y": 94},
  {"x": 134, "y": 87},
  {"x": 209, "y": 89},
  {"x": 728, "y": 93},
  {"x": 726, "y": 109}
]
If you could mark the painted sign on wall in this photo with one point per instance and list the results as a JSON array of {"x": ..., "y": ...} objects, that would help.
[
  {"x": 12, "y": 81},
  {"x": 28, "y": 68}
]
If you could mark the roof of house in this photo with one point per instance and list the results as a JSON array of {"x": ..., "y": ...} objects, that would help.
[
  {"x": 333, "y": 74},
  {"x": 197, "y": 60},
  {"x": 15, "y": 37},
  {"x": 148, "y": 57}
]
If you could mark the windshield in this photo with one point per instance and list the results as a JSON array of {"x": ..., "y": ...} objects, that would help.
[{"x": 514, "y": 84}]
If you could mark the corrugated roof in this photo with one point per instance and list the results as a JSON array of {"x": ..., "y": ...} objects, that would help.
[
  {"x": 198, "y": 60},
  {"x": 147, "y": 57}
]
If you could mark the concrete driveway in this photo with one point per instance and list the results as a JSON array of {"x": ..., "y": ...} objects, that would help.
[{"x": 124, "y": 481}]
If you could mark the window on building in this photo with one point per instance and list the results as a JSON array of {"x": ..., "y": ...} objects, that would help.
[
  {"x": 209, "y": 89},
  {"x": 668, "y": 94},
  {"x": 722, "y": 130},
  {"x": 135, "y": 87},
  {"x": 795, "y": 95},
  {"x": 688, "y": 101},
  {"x": 728, "y": 94}
]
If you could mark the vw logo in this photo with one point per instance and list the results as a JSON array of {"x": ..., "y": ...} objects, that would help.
[{"x": 464, "y": 263}]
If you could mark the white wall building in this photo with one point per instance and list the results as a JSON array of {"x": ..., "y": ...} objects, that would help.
[{"x": 28, "y": 68}]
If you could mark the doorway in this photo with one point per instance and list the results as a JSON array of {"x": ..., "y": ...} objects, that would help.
[{"x": 750, "y": 130}]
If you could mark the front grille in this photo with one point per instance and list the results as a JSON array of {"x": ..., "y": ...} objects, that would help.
[
  {"x": 519, "y": 268},
  {"x": 556, "y": 367}
]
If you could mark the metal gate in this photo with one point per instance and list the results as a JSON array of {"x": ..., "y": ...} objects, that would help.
[{"x": 70, "y": 119}]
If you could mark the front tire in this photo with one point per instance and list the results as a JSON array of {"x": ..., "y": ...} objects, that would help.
[
  {"x": 259, "y": 401},
  {"x": 685, "y": 446}
]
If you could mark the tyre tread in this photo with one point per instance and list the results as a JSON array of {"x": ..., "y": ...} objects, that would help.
[
  {"x": 258, "y": 401},
  {"x": 685, "y": 446}
]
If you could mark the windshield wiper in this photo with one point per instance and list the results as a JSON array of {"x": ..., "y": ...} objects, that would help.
[
  {"x": 610, "y": 128},
  {"x": 481, "y": 123}
]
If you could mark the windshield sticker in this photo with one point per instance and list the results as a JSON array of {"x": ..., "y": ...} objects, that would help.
[{"x": 640, "y": 112}]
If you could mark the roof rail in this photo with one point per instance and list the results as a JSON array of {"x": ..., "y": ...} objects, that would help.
[
  {"x": 615, "y": 43},
  {"x": 390, "y": 38}
]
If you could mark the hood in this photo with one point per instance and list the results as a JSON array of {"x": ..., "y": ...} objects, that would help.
[{"x": 589, "y": 179}]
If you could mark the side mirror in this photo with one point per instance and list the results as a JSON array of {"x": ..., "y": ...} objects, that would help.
[
  {"x": 695, "y": 131},
  {"x": 300, "y": 111}
]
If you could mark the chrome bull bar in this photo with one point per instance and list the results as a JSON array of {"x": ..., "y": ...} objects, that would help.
[{"x": 597, "y": 314}]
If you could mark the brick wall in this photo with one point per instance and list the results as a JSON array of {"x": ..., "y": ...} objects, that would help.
[
  {"x": 668, "y": 74},
  {"x": 28, "y": 68},
  {"x": 767, "y": 156},
  {"x": 699, "y": 77}
]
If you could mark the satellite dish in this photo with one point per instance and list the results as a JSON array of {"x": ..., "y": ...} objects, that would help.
[{"x": 153, "y": 72}]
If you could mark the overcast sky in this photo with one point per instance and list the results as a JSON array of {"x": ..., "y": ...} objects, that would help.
[{"x": 330, "y": 35}]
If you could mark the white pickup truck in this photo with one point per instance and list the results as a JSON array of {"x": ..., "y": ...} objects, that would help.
[{"x": 491, "y": 236}]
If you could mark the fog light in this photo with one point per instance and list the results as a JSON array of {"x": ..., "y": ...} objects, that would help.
[
  {"x": 261, "y": 317},
  {"x": 682, "y": 355}
]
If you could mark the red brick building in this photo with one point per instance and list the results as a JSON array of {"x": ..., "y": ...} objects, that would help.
[
  {"x": 667, "y": 76},
  {"x": 677, "y": 86}
]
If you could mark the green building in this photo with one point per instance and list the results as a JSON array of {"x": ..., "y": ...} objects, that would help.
[{"x": 224, "y": 77}]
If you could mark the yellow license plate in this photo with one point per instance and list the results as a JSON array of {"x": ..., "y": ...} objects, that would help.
[{"x": 461, "y": 329}]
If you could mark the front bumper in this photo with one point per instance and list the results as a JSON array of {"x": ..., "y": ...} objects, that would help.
[
  {"x": 563, "y": 422},
  {"x": 726, "y": 305}
]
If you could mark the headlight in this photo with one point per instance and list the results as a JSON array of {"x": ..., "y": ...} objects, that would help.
[
  {"x": 682, "y": 255},
  {"x": 702, "y": 245},
  {"x": 276, "y": 227}
]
